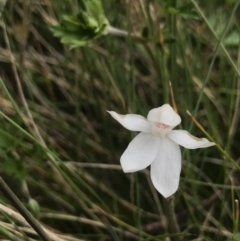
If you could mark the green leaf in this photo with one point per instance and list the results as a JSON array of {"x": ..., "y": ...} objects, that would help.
[
  {"x": 81, "y": 29},
  {"x": 233, "y": 39}
]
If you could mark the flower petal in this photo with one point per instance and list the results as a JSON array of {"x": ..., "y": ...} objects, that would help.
[
  {"x": 140, "y": 152},
  {"x": 132, "y": 122},
  {"x": 185, "y": 139},
  {"x": 165, "y": 115},
  {"x": 166, "y": 167}
]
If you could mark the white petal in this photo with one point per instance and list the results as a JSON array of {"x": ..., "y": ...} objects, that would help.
[
  {"x": 132, "y": 122},
  {"x": 164, "y": 114},
  {"x": 140, "y": 153},
  {"x": 166, "y": 167},
  {"x": 185, "y": 139}
]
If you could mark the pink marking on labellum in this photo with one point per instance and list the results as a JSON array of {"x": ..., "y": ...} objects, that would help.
[{"x": 161, "y": 125}]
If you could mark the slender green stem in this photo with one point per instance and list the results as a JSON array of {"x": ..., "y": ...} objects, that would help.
[
  {"x": 23, "y": 211},
  {"x": 171, "y": 218},
  {"x": 236, "y": 216},
  {"x": 235, "y": 119},
  {"x": 9, "y": 235},
  {"x": 138, "y": 205},
  {"x": 173, "y": 46}
]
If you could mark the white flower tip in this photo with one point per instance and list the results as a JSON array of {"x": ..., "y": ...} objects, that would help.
[
  {"x": 127, "y": 170},
  {"x": 115, "y": 115},
  {"x": 202, "y": 142},
  {"x": 164, "y": 189},
  {"x": 109, "y": 111},
  {"x": 167, "y": 195},
  {"x": 126, "y": 167},
  {"x": 132, "y": 122},
  {"x": 207, "y": 143},
  {"x": 112, "y": 113},
  {"x": 185, "y": 139},
  {"x": 164, "y": 114}
]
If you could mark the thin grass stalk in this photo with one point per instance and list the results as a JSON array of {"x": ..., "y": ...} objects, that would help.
[
  {"x": 218, "y": 46},
  {"x": 217, "y": 145},
  {"x": 236, "y": 216},
  {"x": 9, "y": 235},
  {"x": 215, "y": 35},
  {"x": 236, "y": 116},
  {"x": 23, "y": 211}
]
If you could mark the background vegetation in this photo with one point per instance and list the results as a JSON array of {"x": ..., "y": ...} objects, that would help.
[{"x": 60, "y": 149}]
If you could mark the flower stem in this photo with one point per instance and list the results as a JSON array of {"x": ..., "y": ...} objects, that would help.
[
  {"x": 138, "y": 205},
  {"x": 171, "y": 218}
]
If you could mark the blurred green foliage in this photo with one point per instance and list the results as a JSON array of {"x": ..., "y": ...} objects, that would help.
[
  {"x": 68, "y": 153},
  {"x": 81, "y": 29}
]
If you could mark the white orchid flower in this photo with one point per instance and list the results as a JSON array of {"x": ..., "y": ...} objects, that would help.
[{"x": 157, "y": 145}]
